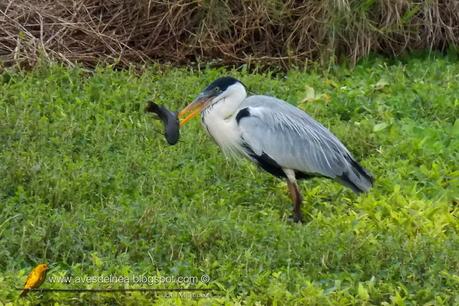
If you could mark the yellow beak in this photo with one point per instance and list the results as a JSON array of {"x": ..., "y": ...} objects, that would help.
[{"x": 192, "y": 109}]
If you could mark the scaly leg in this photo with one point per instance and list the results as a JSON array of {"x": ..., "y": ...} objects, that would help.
[{"x": 295, "y": 195}]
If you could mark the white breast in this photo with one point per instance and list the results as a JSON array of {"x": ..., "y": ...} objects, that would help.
[
  {"x": 219, "y": 119},
  {"x": 225, "y": 132}
]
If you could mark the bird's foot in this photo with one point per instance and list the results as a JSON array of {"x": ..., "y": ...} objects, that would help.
[{"x": 296, "y": 217}]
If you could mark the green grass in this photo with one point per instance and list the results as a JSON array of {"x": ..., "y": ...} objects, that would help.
[{"x": 87, "y": 185}]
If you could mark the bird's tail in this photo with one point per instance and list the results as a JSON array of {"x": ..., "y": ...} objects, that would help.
[
  {"x": 24, "y": 293},
  {"x": 357, "y": 178}
]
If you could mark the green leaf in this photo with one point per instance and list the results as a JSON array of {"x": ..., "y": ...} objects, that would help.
[{"x": 380, "y": 126}]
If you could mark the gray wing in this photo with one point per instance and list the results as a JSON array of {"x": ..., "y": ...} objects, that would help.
[{"x": 294, "y": 140}]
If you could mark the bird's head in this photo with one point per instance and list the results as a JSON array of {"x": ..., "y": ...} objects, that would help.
[
  {"x": 219, "y": 90},
  {"x": 42, "y": 267}
]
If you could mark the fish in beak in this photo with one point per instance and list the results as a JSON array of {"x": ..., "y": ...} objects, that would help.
[{"x": 195, "y": 107}]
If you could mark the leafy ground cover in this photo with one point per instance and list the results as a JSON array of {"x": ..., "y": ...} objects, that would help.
[{"x": 88, "y": 185}]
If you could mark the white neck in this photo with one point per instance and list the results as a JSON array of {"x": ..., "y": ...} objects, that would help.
[
  {"x": 219, "y": 118},
  {"x": 228, "y": 102}
]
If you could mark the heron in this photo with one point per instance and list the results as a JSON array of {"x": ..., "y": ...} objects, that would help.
[{"x": 277, "y": 136}]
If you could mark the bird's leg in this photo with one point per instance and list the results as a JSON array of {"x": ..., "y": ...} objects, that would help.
[
  {"x": 297, "y": 199},
  {"x": 294, "y": 194}
]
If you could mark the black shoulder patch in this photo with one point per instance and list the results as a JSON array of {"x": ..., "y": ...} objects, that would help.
[{"x": 242, "y": 113}]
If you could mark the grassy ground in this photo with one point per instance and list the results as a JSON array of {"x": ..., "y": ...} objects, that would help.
[{"x": 88, "y": 186}]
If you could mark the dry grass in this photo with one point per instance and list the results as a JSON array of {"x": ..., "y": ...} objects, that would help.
[{"x": 222, "y": 31}]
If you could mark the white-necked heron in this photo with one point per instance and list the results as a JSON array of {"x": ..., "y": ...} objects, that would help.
[{"x": 277, "y": 136}]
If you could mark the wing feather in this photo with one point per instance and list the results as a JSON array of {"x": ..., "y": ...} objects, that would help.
[{"x": 292, "y": 138}]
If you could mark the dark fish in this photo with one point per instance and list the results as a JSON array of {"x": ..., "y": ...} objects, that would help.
[{"x": 170, "y": 121}]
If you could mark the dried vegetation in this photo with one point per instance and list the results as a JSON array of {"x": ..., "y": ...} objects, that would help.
[{"x": 223, "y": 32}]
